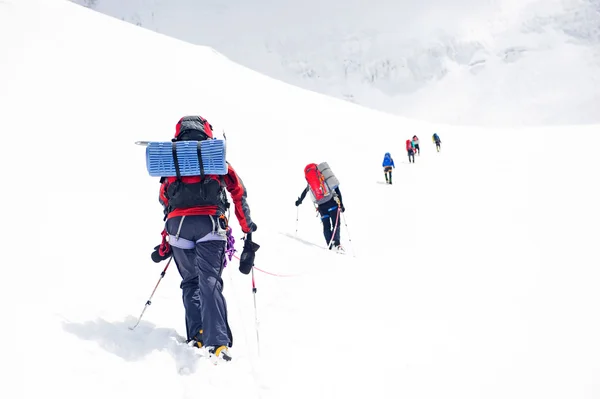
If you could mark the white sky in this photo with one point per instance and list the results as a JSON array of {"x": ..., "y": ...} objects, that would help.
[{"x": 475, "y": 274}]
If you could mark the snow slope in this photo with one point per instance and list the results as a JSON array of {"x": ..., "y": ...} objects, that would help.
[
  {"x": 475, "y": 274},
  {"x": 498, "y": 62}
]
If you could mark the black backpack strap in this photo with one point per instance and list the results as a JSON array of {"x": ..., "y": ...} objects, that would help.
[
  {"x": 175, "y": 160},
  {"x": 199, "y": 150},
  {"x": 223, "y": 188}
]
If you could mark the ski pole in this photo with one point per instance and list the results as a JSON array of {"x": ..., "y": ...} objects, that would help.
[
  {"x": 149, "y": 301},
  {"x": 255, "y": 312},
  {"x": 348, "y": 232}
]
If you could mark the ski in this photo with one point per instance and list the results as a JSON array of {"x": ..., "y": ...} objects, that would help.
[{"x": 143, "y": 143}]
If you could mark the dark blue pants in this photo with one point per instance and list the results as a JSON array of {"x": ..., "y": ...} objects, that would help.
[
  {"x": 388, "y": 174},
  {"x": 329, "y": 217},
  {"x": 199, "y": 254}
]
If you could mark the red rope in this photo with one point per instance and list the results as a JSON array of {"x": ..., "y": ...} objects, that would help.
[
  {"x": 276, "y": 275},
  {"x": 337, "y": 221},
  {"x": 272, "y": 274}
]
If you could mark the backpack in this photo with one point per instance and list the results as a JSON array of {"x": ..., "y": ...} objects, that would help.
[
  {"x": 317, "y": 182},
  {"x": 330, "y": 180},
  {"x": 409, "y": 145},
  {"x": 199, "y": 190},
  {"x": 436, "y": 137},
  {"x": 387, "y": 159}
]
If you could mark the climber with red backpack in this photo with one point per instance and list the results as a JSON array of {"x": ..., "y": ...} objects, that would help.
[
  {"x": 327, "y": 197},
  {"x": 195, "y": 209},
  {"x": 411, "y": 151}
]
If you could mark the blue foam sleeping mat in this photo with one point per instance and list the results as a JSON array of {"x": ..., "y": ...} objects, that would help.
[{"x": 160, "y": 161}]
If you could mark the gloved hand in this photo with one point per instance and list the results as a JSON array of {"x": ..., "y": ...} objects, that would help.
[
  {"x": 342, "y": 208},
  {"x": 161, "y": 254},
  {"x": 298, "y": 202},
  {"x": 253, "y": 227},
  {"x": 248, "y": 254}
]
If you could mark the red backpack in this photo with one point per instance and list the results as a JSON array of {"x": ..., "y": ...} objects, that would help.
[
  {"x": 316, "y": 182},
  {"x": 408, "y": 145}
]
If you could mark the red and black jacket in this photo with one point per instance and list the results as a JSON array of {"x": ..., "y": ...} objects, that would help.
[{"x": 216, "y": 204}]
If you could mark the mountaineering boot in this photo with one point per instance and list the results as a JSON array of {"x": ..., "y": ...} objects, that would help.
[
  {"x": 196, "y": 341},
  {"x": 339, "y": 249},
  {"x": 220, "y": 352}
]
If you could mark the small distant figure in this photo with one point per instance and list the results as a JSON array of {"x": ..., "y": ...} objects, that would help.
[
  {"x": 437, "y": 141},
  {"x": 388, "y": 164},
  {"x": 415, "y": 142},
  {"x": 411, "y": 151}
]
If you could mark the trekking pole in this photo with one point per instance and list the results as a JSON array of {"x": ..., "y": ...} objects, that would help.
[
  {"x": 255, "y": 312},
  {"x": 297, "y": 213},
  {"x": 149, "y": 301},
  {"x": 348, "y": 232}
]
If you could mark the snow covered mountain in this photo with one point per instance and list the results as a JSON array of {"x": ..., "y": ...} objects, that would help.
[
  {"x": 499, "y": 62},
  {"x": 475, "y": 274}
]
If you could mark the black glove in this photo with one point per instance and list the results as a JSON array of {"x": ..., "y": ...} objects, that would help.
[
  {"x": 343, "y": 209},
  {"x": 253, "y": 227},
  {"x": 247, "y": 258},
  {"x": 157, "y": 257},
  {"x": 298, "y": 202}
]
